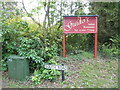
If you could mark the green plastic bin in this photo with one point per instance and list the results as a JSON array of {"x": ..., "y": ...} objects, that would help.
[{"x": 18, "y": 67}]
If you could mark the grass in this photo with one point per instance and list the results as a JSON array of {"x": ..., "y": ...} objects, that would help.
[
  {"x": 83, "y": 73},
  {"x": 80, "y": 56},
  {"x": 98, "y": 74}
]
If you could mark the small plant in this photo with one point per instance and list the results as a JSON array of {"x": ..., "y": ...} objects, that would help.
[
  {"x": 106, "y": 51},
  {"x": 111, "y": 50},
  {"x": 47, "y": 74},
  {"x": 36, "y": 78},
  {"x": 3, "y": 66}
]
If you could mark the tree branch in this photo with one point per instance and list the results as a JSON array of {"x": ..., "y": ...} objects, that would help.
[
  {"x": 48, "y": 9},
  {"x": 44, "y": 22},
  {"x": 29, "y": 14}
]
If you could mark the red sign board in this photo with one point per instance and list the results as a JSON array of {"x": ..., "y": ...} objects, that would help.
[
  {"x": 84, "y": 24},
  {"x": 80, "y": 24}
]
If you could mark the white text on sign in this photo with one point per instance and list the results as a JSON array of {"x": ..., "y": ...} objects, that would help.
[{"x": 58, "y": 67}]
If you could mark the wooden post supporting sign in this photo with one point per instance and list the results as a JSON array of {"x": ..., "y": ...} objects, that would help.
[
  {"x": 80, "y": 24},
  {"x": 95, "y": 46},
  {"x": 64, "y": 45}
]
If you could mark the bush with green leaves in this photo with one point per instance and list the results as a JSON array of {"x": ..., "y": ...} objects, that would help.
[
  {"x": 48, "y": 74},
  {"x": 115, "y": 44},
  {"x": 79, "y": 42},
  {"x": 3, "y": 66},
  {"x": 19, "y": 39},
  {"x": 111, "y": 50}
]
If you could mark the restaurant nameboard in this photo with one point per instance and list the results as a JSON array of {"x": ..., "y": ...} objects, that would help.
[{"x": 82, "y": 24}]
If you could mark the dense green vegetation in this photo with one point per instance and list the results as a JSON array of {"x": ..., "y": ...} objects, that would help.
[
  {"x": 109, "y": 29},
  {"x": 40, "y": 42}
]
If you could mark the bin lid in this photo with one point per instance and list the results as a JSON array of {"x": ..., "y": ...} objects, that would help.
[{"x": 16, "y": 57}]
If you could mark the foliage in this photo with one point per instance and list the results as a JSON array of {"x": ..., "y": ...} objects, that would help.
[
  {"x": 9, "y": 10},
  {"x": 3, "y": 66},
  {"x": 19, "y": 39},
  {"x": 53, "y": 20},
  {"x": 111, "y": 50},
  {"x": 43, "y": 73},
  {"x": 31, "y": 45},
  {"x": 79, "y": 42},
  {"x": 12, "y": 30},
  {"x": 50, "y": 74},
  {"x": 1, "y": 39},
  {"x": 39, "y": 42},
  {"x": 108, "y": 14},
  {"x": 107, "y": 52}
]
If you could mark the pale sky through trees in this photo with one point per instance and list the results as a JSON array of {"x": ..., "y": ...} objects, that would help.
[{"x": 30, "y": 4}]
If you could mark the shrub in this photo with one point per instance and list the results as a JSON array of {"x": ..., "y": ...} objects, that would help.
[
  {"x": 111, "y": 50},
  {"x": 79, "y": 42},
  {"x": 43, "y": 73},
  {"x": 24, "y": 39},
  {"x": 3, "y": 66}
]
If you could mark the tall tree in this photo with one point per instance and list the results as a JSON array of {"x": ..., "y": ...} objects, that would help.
[{"x": 107, "y": 20}]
